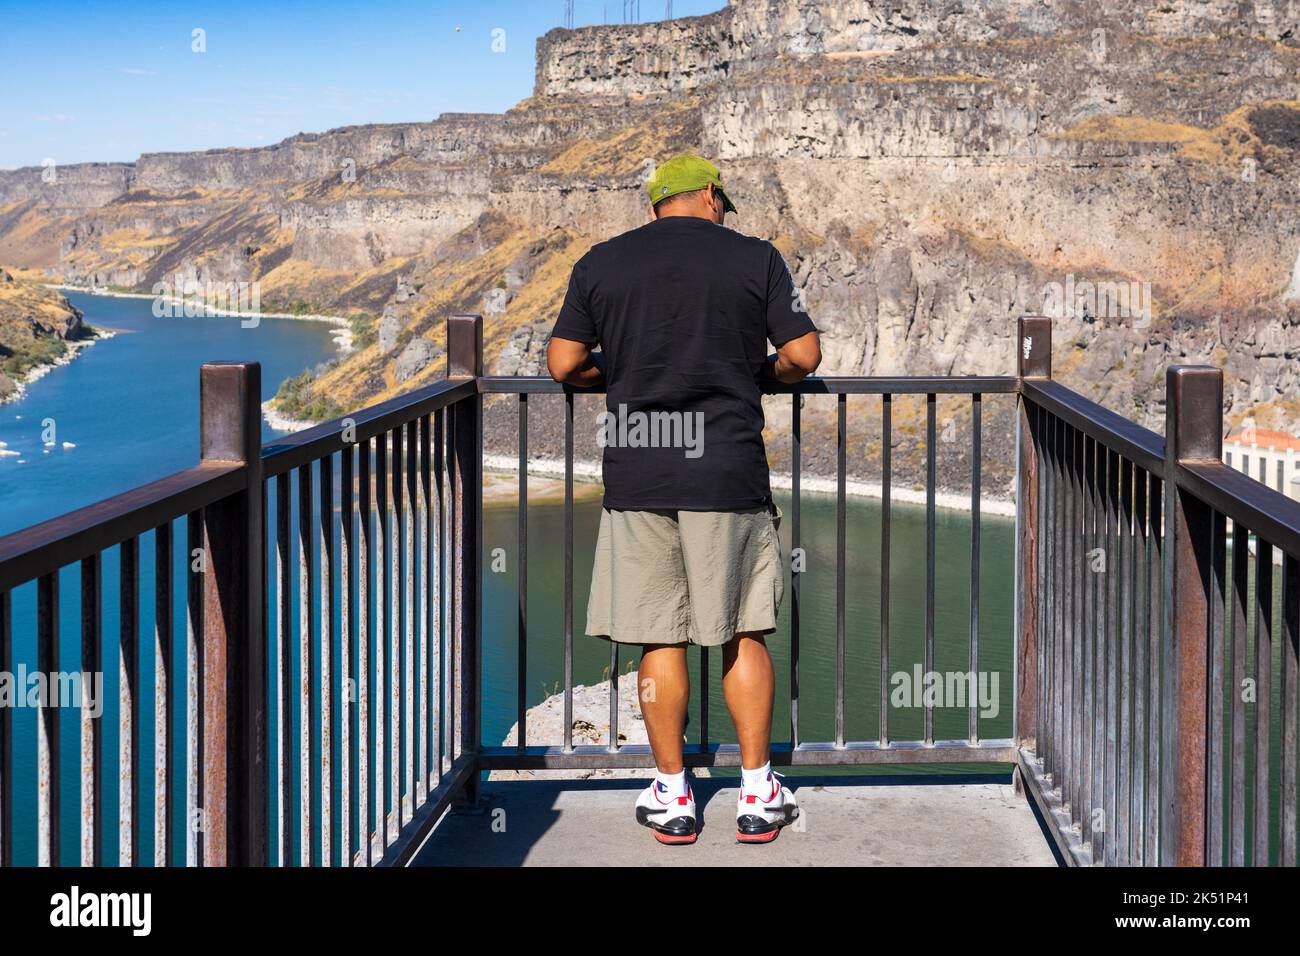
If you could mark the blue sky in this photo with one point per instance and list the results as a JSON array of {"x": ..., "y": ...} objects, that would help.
[{"x": 107, "y": 81}]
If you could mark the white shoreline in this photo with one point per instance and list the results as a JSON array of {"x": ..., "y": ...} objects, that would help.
[
  {"x": 589, "y": 472},
  {"x": 182, "y": 301},
  {"x": 342, "y": 336},
  {"x": 282, "y": 423}
]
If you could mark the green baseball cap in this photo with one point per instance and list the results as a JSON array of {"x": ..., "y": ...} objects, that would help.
[{"x": 684, "y": 174}]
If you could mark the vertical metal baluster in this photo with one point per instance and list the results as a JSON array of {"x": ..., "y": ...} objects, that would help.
[
  {"x": 1076, "y": 565},
  {"x": 1074, "y": 654},
  {"x": 796, "y": 452},
  {"x": 400, "y": 621},
  {"x": 454, "y": 708},
  {"x": 1041, "y": 745},
  {"x": 283, "y": 670},
  {"x": 439, "y": 566},
  {"x": 426, "y": 614},
  {"x": 92, "y": 736},
  {"x": 382, "y": 624},
  {"x": 128, "y": 692},
  {"x": 1114, "y": 568},
  {"x": 325, "y": 530},
  {"x": 1096, "y": 727},
  {"x": 306, "y": 665},
  {"x": 1060, "y": 576},
  {"x": 886, "y": 480},
  {"x": 1290, "y": 709},
  {"x": 521, "y": 654},
  {"x": 841, "y": 442},
  {"x": 1122, "y": 830},
  {"x": 451, "y": 709},
  {"x": 1240, "y": 599},
  {"x": 930, "y": 464},
  {"x": 365, "y": 603},
  {"x": 1061, "y": 560},
  {"x": 1155, "y": 558},
  {"x": 47, "y": 723},
  {"x": 613, "y": 697},
  {"x": 1048, "y": 531},
  {"x": 1101, "y": 709},
  {"x": 1141, "y": 671},
  {"x": 1263, "y": 694},
  {"x": 347, "y": 628},
  {"x": 1055, "y": 489},
  {"x": 6, "y": 736},
  {"x": 1216, "y": 648},
  {"x": 163, "y": 668},
  {"x": 704, "y": 699},
  {"x": 973, "y": 732},
  {"x": 195, "y": 562},
  {"x": 1083, "y": 795},
  {"x": 568, "y": 572},
  {"x": 408, "y": 669}
]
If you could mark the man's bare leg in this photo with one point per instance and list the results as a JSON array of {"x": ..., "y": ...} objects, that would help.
[
  {"x": 665, "y": 688},
  {"x": 749, "y": 686}
]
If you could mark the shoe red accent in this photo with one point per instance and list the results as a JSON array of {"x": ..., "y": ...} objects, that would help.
[
  {"x": 671, "y": 840},
  {"x": 683, "y": 801},
  {"x": 756, "y": 837}
]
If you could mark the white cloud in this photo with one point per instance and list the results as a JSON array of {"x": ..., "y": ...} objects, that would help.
[
  {"x": 54, "y": 118},
  {"x": 137, "y": 71}
]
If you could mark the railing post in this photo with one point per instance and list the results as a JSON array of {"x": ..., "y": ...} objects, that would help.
[
  {"x": 465, "y": 360},
  {"x": 234, "y": 641},
  {"x": 1034, "y": 360},
  {"x": 1193, "y": 432}
]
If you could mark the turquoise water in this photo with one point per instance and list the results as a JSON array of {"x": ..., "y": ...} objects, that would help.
[
  {"x": 130, "y": 405},
  {"x": 817, "y": 620}
]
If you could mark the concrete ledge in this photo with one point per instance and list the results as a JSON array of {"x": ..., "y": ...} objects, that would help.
[{"x": 847, "y": 821}]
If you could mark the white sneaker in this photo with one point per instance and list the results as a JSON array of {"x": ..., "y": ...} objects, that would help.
[
  {"x": 671, "y": 818},
  {"x": 760, "y": 816}
]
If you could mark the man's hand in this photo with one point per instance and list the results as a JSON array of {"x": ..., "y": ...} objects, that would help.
[
  {"x": 574, "y": 363},
  {"x": 795, "y": 360}
]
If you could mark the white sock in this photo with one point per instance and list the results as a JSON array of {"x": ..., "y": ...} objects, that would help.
[
  {"x": 757, "y": 782},
  {"x": 670, "y": 786}
]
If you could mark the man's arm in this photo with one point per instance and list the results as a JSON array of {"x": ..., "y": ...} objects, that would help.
[
  {"x": 794, "y": 360},
  {"x": 574, "y": 363}
]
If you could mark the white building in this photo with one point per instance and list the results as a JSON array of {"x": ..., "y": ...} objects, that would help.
[{"x": 1267, "y": 456}]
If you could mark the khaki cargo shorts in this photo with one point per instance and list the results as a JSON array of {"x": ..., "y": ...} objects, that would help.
[{"x": 677, "y": 577}]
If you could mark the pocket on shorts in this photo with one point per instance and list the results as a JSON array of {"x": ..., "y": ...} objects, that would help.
[{"x": 775, "y": 514}]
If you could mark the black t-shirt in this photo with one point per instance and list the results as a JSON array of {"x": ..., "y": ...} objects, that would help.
[{"x": 682, "y": 310}]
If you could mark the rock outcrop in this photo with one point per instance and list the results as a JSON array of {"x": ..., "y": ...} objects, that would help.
[
  {"x": 36, "y": 326},
  {"x": 930, "y": 170}
]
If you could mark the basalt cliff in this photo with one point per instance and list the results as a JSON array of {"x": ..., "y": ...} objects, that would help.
[{"x": 929, "y": 168}]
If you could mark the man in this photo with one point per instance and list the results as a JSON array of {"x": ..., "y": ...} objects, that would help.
[{"x": 687, "y": 552}]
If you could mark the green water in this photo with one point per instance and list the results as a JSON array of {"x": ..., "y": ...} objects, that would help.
[{"x": 545, "y": 673}]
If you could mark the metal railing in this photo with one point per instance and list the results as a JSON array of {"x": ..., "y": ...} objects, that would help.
[
  {"x": 397, "y": 485},
  {"x": 1136, "y": 697},
  {"x": 884, "y": 749},
  {"x": 353, "y": 636}
]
